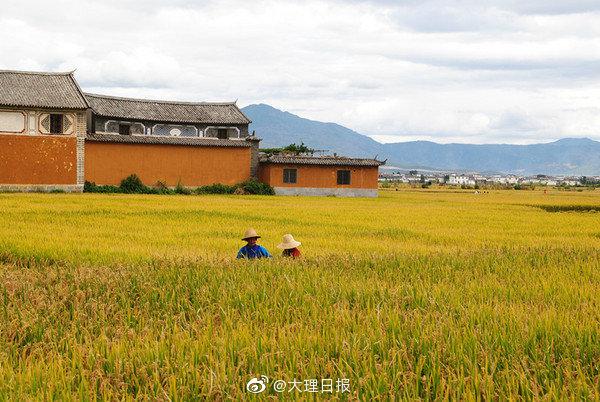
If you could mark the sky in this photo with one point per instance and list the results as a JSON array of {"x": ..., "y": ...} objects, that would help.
[{"x": 505, "y": 71}]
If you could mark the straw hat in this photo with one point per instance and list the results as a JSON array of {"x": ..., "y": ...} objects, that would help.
[
  {"x": 288, "y": 242},
  {"x": 250, "y": 233}
]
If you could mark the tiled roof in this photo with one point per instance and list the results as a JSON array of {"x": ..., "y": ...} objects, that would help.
[
  {"x": 166, "y": 111},
  {"x": 319, "y": 160},
  {"x": 149, "y": 139},
  {"x": 43, "y": 90}
]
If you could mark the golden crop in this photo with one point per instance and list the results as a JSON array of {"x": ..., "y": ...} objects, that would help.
[{"x": 416, "y": 294}]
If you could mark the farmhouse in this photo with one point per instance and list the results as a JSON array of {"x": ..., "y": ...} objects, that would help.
[
  {"x": 55, "y": 137},
  {"x": 192, "y": 144},
  {"x": 329, "y": 175},
  {"x": 43, "y": 128}
]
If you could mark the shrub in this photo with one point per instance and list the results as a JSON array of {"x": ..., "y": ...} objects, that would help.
[
  {"x": 130, "y": 185},
  {"x": 298, "y": 149},
  {"x": 133, "y": 185},
  {"x": 162, "y": 188},
  {"x": 181, "y": 189},
  {"x": 290, "y": 149},
  {"x": 271, "y": 151},
  {"x": 215, "y": 189},
  {"x": 91, "y": 187},
  {"x": 256, "y": 187}
]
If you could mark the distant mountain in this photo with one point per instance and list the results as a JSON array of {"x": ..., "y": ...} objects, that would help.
[
  {"x": 576, "y": 156},
  {"x": 278, "y": 128}
]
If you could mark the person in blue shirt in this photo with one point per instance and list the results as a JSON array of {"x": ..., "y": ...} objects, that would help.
[{"x": 252, "y": 250}]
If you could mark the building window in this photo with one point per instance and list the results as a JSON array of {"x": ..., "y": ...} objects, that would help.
[
  {"x": 343, "y": 177},
  {"x": 56, "y": 124},
  {"x": 222, "y": 134},
  {"x": 124, "y": 129},
  {"x": 290, "y": 176}
]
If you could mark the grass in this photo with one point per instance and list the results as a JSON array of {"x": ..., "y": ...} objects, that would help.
[
  {"x": 570, "y": 208},
  {"x": 415, "y": 295}
]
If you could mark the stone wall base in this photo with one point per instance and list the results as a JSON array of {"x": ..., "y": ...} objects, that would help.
[
  {"x": 337, "y": 192},
  {"x": 40, "y": 188}
]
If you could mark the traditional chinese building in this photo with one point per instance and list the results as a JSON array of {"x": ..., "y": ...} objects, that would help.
[
  {"x": 42, "y": 132},
  {"x": 173, "y": 143},
  {"x": 55, "y": 137},
  {"x": 313, "y": 175}
]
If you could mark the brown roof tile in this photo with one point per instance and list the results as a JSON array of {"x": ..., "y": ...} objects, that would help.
[
  {"x": 40, "y": 90},
  {"x": 149, "y": 139},
  {"x": 166, "y": 111},
  {"x": 319, "y": 160}
]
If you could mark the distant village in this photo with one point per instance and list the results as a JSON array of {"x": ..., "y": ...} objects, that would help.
[{"x": 476, "y": 180}]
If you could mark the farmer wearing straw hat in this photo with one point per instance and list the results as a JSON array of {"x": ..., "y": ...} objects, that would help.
[
  {"x": 289, "y": 246},
  {"x": 252, "y": 250}
]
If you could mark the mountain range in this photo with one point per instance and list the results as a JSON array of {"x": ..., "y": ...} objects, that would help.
[{"x": 569, "y": 156}]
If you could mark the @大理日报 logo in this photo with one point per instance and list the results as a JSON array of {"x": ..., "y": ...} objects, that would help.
[{"x": 257, "y": 385}]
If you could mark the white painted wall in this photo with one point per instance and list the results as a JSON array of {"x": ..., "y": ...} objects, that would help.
[{"x": 12, "y": 122}]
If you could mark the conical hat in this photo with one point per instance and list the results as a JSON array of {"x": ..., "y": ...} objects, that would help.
[
  {"x": 250, "y": 233},
  {"x": 288, "y": 242}
]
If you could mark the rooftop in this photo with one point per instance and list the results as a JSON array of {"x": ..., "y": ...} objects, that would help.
[
  {"x": 166, "y": 111},
  {"x": 319, "y": 160},
  {"x": 40, "y": 90},
  {"x": 165, "y": 140}
]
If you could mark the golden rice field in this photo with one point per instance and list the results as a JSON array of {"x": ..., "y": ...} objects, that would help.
[{"x": 419, "y": 294}]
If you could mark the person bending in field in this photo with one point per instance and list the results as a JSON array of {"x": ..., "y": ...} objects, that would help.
[
  {"x": 252, "y": 250},
  {"x": 289, "y": 246}
]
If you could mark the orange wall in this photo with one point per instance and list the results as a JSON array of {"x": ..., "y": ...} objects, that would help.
[
  {"x": 315, "y": 176},
  {"x": 109, "y": 163},
  {"x": 38, "y": 159}
]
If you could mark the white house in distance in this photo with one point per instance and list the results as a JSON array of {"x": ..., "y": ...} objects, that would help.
[
  {"x": 460, "y": 180},
  {"x": 504, "y": 179}
]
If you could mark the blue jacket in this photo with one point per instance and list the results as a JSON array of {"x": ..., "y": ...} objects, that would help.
[{"x": 252, "y": 252}]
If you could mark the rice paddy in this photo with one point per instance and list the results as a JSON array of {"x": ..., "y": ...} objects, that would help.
[{"x": 419, "y": 294}]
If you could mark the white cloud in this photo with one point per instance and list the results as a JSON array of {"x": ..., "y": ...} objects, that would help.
[{"x": 469, "y": 71}]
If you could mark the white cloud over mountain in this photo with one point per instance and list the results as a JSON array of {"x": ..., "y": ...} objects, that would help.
[{"x": 464, "y": 71}]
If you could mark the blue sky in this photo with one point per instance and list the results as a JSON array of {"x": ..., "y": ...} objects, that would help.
[{"x": 447, "y": 71}]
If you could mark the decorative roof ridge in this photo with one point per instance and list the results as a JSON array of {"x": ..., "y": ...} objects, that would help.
[
  {"x": 289, "y": 155},
  {"x": 160, "y": 101},
  {"x": 283, "y": 158},
  {"x": 37, "y": 72},
  {"x": 79, "y": 90},
  {"x": 167, "y": 140}
]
